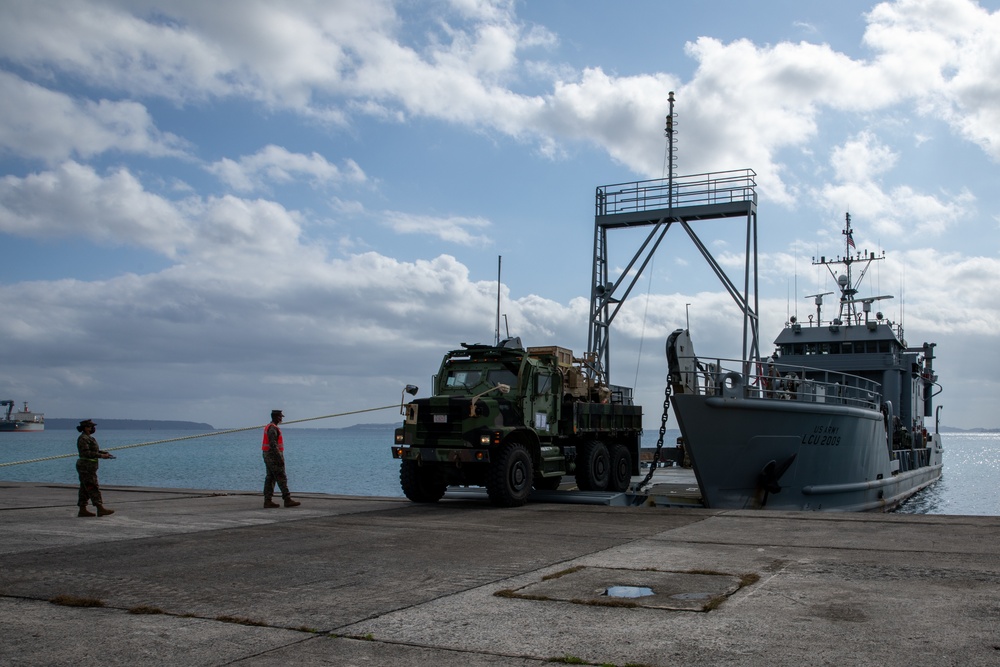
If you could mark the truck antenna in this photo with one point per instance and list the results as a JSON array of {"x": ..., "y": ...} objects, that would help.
[{"x": 497, "y": 337}]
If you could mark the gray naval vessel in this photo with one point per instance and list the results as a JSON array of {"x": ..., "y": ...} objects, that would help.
[{"x": 838, "y": 419}]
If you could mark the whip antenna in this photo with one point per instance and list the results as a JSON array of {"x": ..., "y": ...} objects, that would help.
[{"x": 497, "y": 336}]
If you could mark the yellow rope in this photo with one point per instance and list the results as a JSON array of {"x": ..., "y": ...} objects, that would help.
[{"x": 199, "y": 435}]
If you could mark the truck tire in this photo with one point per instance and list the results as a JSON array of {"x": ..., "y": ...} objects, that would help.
[
  {"x": 421, "y": 484},
  {"x": 548, "y": 483},
  {"x": 621, "y": 468},
  {"x": 593, "y": 467},
  {"x": 508, "y": 481}
]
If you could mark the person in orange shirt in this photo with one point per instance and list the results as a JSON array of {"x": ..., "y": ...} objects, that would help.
[{"x": 273, "y": 447}]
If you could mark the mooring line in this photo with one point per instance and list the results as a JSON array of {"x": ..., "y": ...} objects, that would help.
[{"x": 200, "y": 435}]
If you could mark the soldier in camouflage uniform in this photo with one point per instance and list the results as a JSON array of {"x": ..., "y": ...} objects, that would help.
[
  {"x": 273, "y": 447},
  {"x": 86, "y": 468}
]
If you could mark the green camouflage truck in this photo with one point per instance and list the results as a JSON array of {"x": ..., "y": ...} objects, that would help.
[{"x": 512, "y": 419}]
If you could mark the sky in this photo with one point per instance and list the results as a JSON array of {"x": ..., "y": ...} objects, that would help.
[{"x": 209, "y": 210}]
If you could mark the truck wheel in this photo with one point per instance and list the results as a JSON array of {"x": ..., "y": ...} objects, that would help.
[
  {"x": 421, "y": 484},
  {"x": 548, "y": 483},
  {"x": 621, "y": 468},
  {"x": 508, "y": 481},
  {"x": 593, "y": 467}
]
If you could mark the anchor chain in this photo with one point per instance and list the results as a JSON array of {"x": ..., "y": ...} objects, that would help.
[{"x": 659, "y": 441}]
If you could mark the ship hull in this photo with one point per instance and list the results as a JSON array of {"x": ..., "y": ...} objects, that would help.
[
  {"x": 21, "y": 427},
  {"x": 758, "y": 453}
]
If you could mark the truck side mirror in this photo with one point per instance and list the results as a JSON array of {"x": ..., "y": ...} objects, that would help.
[{"x": 410, "y": 389}]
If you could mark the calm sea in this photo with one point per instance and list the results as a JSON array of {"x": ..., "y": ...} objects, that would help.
[{"x": 358, "y": 462}]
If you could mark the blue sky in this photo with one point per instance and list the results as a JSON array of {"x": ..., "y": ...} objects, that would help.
[{"x": 212, "y": 209}]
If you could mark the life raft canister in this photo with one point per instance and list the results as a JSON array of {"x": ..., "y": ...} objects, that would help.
[{"x": 266, "y": 445}]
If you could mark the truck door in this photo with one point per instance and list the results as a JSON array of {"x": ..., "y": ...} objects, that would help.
[{"x": 544, "y": 405}]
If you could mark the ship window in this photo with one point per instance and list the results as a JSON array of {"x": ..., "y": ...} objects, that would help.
[
  {"x": 847, "y": 347},
  {"x": 811, "y": 348}
]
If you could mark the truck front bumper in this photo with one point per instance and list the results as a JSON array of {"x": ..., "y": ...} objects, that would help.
[{"x": 441, "y": 454}]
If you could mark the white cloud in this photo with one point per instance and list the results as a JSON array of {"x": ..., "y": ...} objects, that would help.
[
  {"x": 744, "y": 104},
  {"x": 946, "y": 53},
  {"x": 74, "y": 200},
  {"x": 43, "y": 124},
  {"x": 861, "y": 159},
  {"x": 938, "y": 300},
  {"x": 895, "y": 212},
  {"x": 454, "y": 229},
  {"x": 277, "y": 165}
]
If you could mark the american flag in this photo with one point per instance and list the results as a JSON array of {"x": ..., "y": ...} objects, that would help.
[{"x": 850, "y": 239}]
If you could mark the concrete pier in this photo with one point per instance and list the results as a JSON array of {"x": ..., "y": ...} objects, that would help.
[{"x": 183, "y": 577}]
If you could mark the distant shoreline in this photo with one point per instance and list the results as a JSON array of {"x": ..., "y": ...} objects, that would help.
[{"x": 58, "y": 424}]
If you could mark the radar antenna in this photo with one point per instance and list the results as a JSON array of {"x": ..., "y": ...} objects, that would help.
[{"x": 819, "y": 305}]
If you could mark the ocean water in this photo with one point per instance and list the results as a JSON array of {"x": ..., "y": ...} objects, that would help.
[
  {"x": 358, "y": 462},
  {"x": 343, "y": 461}
]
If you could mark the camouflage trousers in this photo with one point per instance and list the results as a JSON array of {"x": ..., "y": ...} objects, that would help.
[
  {"x": 275, "y": 465},
  {"x": 89, "y": 488}
]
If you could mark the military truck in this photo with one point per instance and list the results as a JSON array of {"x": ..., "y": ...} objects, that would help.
[{"x": 512, "y": 419}]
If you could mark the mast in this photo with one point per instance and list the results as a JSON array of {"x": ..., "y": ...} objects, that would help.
[{"x": 846, "y": 281}]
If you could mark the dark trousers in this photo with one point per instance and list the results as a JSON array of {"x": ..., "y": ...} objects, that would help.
[
  {"x": 274, "y": 462},
  {"x": 89, "y": 488}
]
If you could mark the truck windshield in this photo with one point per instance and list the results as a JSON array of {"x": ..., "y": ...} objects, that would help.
[
  {"x": 464, "y": 378},
  {"x": 479, "y": 379},
  {"x": 497, "y": 376}
]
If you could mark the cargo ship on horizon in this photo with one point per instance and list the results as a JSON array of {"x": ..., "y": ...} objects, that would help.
[{"x": 20, "y": 421}]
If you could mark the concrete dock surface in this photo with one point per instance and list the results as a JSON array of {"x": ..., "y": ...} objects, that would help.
[{"x": 187, "y": 577}]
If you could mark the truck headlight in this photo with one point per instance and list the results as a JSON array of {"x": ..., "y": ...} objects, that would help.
[{"x": 484, "y": 440}]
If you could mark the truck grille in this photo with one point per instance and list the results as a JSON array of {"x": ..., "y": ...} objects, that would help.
[{"x": 441, "y": 419}]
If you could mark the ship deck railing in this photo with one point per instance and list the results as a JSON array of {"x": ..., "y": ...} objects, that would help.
[{"x": 790, "y": 382}]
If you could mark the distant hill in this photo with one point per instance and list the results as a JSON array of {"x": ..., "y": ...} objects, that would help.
[
  {"x": 130, "y": 424},
  {"x": 953, "y": 429},
  {"x": 371, "y": 427}
]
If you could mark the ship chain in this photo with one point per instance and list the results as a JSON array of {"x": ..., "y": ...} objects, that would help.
[{"x": 659, "y": 441}]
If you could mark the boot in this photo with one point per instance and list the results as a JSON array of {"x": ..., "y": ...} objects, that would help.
[
  {"x": 85, "y": 512},
  {"x": 268, "y": 504},
  {"x": 104, "y": 511},
  {"x": 291, "y": 503}
]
